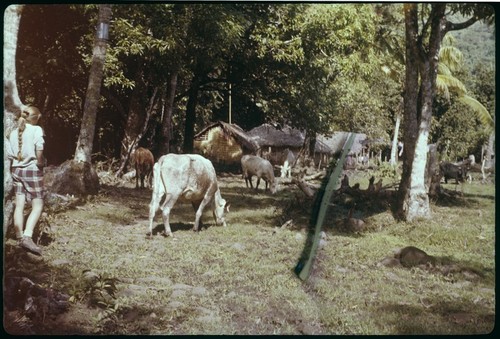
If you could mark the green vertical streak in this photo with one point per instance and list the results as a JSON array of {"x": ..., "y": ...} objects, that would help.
[{"x": 325, "y": 201}]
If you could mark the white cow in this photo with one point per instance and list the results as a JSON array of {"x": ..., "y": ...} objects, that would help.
[{"x": 187, "y": 178}]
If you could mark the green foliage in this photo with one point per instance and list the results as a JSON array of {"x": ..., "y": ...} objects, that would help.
[
  {"x": 457, "y": 133},
  {"x": 98, "y": 290},
  {"x": 388, "y": 171},
  {"x": 318, "y": 67}
]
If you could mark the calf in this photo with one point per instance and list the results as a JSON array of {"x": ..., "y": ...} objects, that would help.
[
  {"x": 187, "y": 178},
  {"x": 253, "y": 165},
  {"x": 143, "y": 161}
]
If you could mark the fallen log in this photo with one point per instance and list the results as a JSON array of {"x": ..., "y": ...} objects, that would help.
[
  {"x": 308, "y": 189},
  {"x": 373, "y": 190}
]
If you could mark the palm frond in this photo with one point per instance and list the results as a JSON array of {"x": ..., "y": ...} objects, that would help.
[
  {"x": 453, "y": 84},
  {"x": 442, "y": 87},
  {"x": 443, "y": 69},
  {"x": 451, "y": 56},
  {"x": 482, "y": 113}
]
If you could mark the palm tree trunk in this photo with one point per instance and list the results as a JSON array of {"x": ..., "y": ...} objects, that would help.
[{"x": 86, "y": 138}]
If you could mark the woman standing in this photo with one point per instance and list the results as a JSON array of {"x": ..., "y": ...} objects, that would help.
[{"x": 25, "y": 150}]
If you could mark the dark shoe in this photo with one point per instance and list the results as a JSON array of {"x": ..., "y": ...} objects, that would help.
[{"x": 28, "y": 244}]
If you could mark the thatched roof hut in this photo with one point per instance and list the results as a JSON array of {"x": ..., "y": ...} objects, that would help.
[
  {"x": 267, "y": 135},
  {"x": 274, "y": 143},
  {"x": 338, "y": 139},
  {"x": 224, "y": 143}
]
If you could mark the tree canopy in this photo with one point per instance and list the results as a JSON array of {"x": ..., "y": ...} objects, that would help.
[{"x": 318, "y": 67}]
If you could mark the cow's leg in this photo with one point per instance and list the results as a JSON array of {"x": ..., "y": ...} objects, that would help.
[
  {"x": 197, "y": 222},
  {"x": 165, "y": 212},
  {"x": 199, "y": 211},
  {"x": 250, "y": 180},
  {"x": 136, "y": 178},
  {"x": 153, "y": 207},
  {"x": 257, "y": 184}
]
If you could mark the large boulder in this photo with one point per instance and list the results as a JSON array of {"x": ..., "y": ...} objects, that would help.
[{"x": 71, "y": 177}]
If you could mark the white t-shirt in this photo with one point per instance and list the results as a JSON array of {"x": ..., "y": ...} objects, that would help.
[{"x": 32, "y": 141}]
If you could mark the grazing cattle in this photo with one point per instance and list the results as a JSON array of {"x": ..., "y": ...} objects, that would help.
[
  {"x": 254, "y": 165},
  {"x": 452, "y": 171},
  {"x": 143, "y": 161},
  {"x": 187, "y": 178}
]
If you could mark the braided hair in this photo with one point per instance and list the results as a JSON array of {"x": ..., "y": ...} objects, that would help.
[{"x": 30, "y": 115}]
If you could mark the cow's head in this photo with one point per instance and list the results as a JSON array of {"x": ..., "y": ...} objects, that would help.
[
  {"x": 273, "y": 187},
  {"x": 221, "y": 206}
]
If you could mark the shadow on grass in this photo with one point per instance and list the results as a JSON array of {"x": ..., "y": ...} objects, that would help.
[
  {"x": 19, "y": 264},
  {"x": 452, "y": 317},
  {"x": 159, "y": 229}
]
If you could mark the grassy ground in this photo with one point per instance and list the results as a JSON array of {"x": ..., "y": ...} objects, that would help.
[{"x": 240, "y": 279}]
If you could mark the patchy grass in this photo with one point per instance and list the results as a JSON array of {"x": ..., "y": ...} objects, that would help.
[{"x": 240, "y": 279}]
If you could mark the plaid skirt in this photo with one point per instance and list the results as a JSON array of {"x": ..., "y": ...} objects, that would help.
[{"x": 29, "y": 182}]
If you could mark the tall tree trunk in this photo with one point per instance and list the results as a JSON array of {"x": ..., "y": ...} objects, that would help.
[
  {"x": 86, "y": 138},
  {"x": 166, "y": 123},
  {"x": 12, "y": 102},
  {"x": 421, "y": 62},
  {"x": 77, "y": 176},
  {"x": 394, "y": 149},
  {"x": 489, "y": 151},
  {"x": 191, "y": 115}
]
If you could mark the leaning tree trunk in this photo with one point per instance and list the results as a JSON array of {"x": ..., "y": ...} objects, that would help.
[
  {"x": 12, "y": 102},
  {"x": 135, "y": 120},
  {"x": 137, "y": 125},
  {"x": 77, "y": 176}
]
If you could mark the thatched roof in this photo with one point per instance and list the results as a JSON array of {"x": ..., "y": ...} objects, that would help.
[
  {"x": 337, "y": 140},
  {"x": 267, "y": 135},
  {"x": 235, "y": 131}
]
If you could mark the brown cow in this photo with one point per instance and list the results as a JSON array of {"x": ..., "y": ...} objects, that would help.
[
  {"x": 187, "y": 178},
  {"x": 143, "y": 161}
]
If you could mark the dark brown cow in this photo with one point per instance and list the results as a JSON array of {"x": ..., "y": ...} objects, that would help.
[{"x": 143, "y": 161}]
